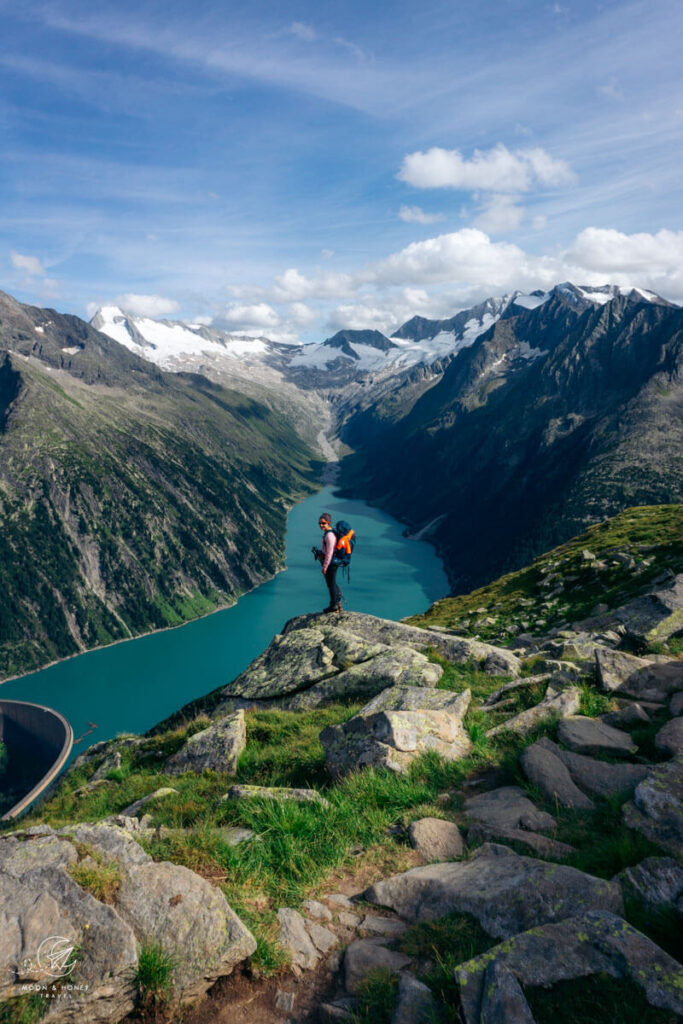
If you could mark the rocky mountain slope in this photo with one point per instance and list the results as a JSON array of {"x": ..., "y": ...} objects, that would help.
[
  {"x": 555, "y": 417},
  {"x": 131, "y": 499},
  {"x": 443, "y": 828}
]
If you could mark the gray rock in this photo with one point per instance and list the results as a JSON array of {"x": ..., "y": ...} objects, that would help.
[
  {"x": 295, "y": 939},
  {"x": 435, "y": 839},
  {"x": 133, "y": 809},
  {"x": 400, "y": 666},
  {"x": 288, "y": 664},
  {"x": 669, "y": 739},
  {"x": 318, "y": 911},
  {"x": 323, "y": 939},
  {"x": 341, "y": 1010},
  {"x": 385, "y": 631},
  {"x": 546, "y": 771},
  {"x": 508, "y": 807},
  {"x": 518, "y": 684},
  {"x": 535, "y": 842},
  {"x": 630, "y": 716},
  {"x": 111, "y": 763},
  {"x": 591, "y": 736},
  {"x": 556, "y": 702},
  {"x": 596, "y": 942},
  {"x": 644, "y": 679},
  {"x": 394, "y": 737},
  {"x": 340, "y": 901},
  {"x": 242, "y": 792},
  {"x": 506, "y": 893},
  {"x": 655, "y": 616},
  {"x": 233, "y": 834},
  {"x": 597, "y": 778},
  {"x": 415, "y": 1003},
  {"x": 365, "y": 955},
  {"x": 390, "y": 927},
  {"x": 284, "y": 1000},
  {"x": 655, "y": 884},
  {"x": 676, "y": 705},
  {"x": 502, "y": 1000},
  {"x": 214, "y": 749},
  {"x": 348, "y": 919},
  {"x": 657, "y": 806}
]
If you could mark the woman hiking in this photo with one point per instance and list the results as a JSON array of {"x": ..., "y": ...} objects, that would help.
[{"x": 329, "y": 569}]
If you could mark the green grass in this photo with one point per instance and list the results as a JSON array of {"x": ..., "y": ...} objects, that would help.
[
  {"x": 599, "y": 999},
  {"x": 594, "y": 703},
  {"x": 651, "y": 535},
  {"x": 27, "y": 1009},
  {"x": 154, "y": 975},
  {"x": 377, "y": 997},
  {"x": 100, "y": 878}
]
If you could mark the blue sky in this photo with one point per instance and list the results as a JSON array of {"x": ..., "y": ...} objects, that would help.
[{"x": 291, "y": 169}]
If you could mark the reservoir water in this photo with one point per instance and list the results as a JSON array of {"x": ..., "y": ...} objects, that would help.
[{"x": 128, "y": 687}]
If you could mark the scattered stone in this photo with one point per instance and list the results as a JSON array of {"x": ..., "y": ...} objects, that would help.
[
  {"x": 349, "y": 919},
  {"x": 338, "y": 899},
  {"x": 323, "y": 939},
  {"x": 657, "y": 806},
  {"x": 546, "y": 771},
  {"x": 214, "y": 749},
  {"x": 494, "y": 698},
  {"x": 644, "y": 679},
  {"x": 590, "y": 736},
  {"x": 415, "y": 1003},
  {"x": 390, "y": 927},
  {"x": 435, "y": 839},
  {"x": 241, "y": 792},
  {"x": 655, "y": 616},
  {"x": 506, "y": 892},
  {"x": 132, "y": 810},
  {"x": 341, "y": 1010},
  {"x": 365, "y": 955},
  {"x": 295, "y": 939},
  {"x": 596, "y": 942},
  {"x": 111, "y": 763},
  {"x": 676, "y": 705},
  {"x": 396, "y": 727},
  {"x": 508, "y": 807},
  {"x": 535, "y": 842},
  {"x": 318, "y": 911},
  {"x": 655, "y": 884},
  {"x": 556, "y": 702},
  {"x": 625, "y": 718},
  {"x": 597, "y": 778},
  {"x": 233, "y": 834},
  {"x": 669, "y": 739}
]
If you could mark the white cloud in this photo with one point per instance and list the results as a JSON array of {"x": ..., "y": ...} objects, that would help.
[
  {"x": 29, "y": 264},
  {"x": 147, "y": 305},
  {"x": 292, "y": 286},
  {"x": 416, "y": 215},
  {"x": 327, "y": 254},
  {"x": 610, "y": 251},
  {"x": 256, "y": 317},
  {"x": 301, "y": 314},
  {"x": 539, "y": 223},
  {"x": 493, "y": 170},
  {"x": 500, "y": 214},
  {"x": 468, "y": 256},
  {"x": 303, "y": 31}
]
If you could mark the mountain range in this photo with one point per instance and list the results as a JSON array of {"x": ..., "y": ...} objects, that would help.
[{"x": 147, "y": 465}]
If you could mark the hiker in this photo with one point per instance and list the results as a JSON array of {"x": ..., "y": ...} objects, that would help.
[{"x": 329, "y": 568}]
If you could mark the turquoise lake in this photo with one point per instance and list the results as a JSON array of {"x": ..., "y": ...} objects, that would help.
[{"x": 130, "y": 686}]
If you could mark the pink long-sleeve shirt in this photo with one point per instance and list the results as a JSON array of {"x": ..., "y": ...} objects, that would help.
[{"x": 329, "y": 542}]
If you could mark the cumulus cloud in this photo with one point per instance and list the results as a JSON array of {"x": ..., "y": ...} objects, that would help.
[
  {"x": 256, "y": 317},
  {"x": 493, "y": 170},
  {"x": 612, "y": 251},
  {"x": 416, "y": 215},
  {"x": 29, "y": 264},
  {"x": 301, "y": 314},
  {"x": 147, "y": 305},
  {"x": 292, "y": 286},
  {"x": 500, "y": 213}
]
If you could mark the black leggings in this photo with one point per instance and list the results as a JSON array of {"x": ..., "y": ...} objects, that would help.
[{"x": 335, "y": 592}]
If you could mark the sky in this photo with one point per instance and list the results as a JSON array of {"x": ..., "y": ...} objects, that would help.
[{"x": 289, "y": 170}]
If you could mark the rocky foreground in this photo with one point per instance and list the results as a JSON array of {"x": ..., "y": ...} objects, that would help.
[{"x": 573, "y": 707}]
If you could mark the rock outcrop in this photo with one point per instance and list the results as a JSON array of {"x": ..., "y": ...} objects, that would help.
[
  {"x": 215, "y": 749},
  {"x": 396, "y": 727}
]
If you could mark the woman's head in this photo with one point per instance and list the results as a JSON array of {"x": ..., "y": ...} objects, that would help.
[{"x": 325, "y": 521}]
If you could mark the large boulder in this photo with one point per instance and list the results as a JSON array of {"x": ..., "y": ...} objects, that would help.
[
  {"x": 505, "y": 892},
  {"x": 150, "y": 903},
  {"x": 655, "y": 616},
  {"x": 655, "y": 884},
  {"x": 214, "y": 749},
  {"x": 508, "y": 807},
  {"x": 596, "y": 778},
  {"x": 645, "y": 679},
  {"x": 596, "y": 942},
  {"x": 494, "y": 660},
  {"x": 551, "y": 777},
  {"x": 591, "y": 736},
  {"x": 435, "y": 839},
  {"x": 365, "y": 955},
  {"x": 657, "y": 806},
  {"x": 669, "y": 739},
  {"x": 396, "y": 727},
  {"x": 287, "y": 664}
]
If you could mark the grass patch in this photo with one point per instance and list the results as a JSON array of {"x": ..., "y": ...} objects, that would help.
[
  {"x": 377, "y": 997},
  {"x": 154, "y": 975},
  {"x": 100, "y": 878},
  {"x": 604, "y": 844},
  {"x": 27, "y": 1009},
  {"x": 599, "y": 999},
  {"x": 594, "y": 703}
]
